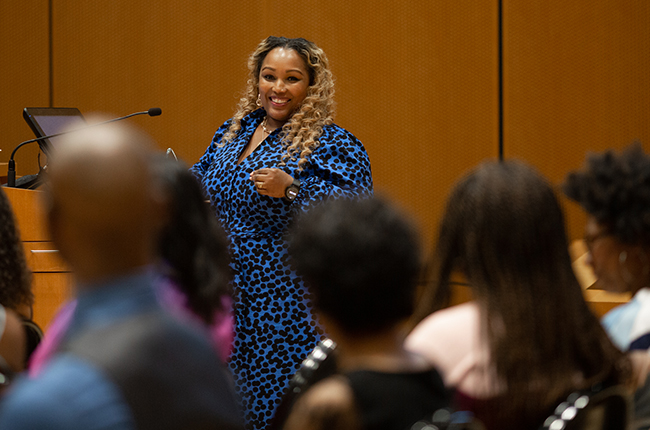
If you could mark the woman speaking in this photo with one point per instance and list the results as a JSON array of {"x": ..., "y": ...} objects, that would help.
[{"x": 278, "y": 154}]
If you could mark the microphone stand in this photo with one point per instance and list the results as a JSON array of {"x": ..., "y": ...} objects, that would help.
[{"x": 11, "y": 169}]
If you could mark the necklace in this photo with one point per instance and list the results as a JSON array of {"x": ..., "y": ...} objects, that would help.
[{"x": 264, "y": 127}]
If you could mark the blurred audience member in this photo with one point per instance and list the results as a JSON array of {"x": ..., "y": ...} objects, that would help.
[
  {"x": 12, "y": 347},
  {"x": 360, "y": 261},
  {"x": 16, "y": 280},
  {"x": 15, "y": 277},
  {"x": 527, "y": 339},
  {"x": 614, "y": 190},
  {"x": 193, "y": 263},
  {"x": 123, "y": 362},
  {"x": 194, "y": 258}
]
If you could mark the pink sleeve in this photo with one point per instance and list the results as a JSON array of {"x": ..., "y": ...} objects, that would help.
[
  {"x": 222, "y": 330},
  {"x": 51, "y": 339},
  {"x": 222, "y": 333}
]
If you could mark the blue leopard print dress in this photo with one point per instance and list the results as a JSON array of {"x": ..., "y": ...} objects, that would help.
[{"x": 275, "y": 328}]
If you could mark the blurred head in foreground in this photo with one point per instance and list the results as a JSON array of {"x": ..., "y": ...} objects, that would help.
[
  {"x": 360, "y": 260},
  {"x": 103, "y": 207}
]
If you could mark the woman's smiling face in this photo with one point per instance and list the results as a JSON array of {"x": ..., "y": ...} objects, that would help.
[{"x": 283, "y": 85}]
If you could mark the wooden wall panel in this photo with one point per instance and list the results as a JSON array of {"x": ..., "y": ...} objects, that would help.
[
  {"x": 416, "y": 81},
  {"x": 576, "y": 80},
  {"x": 418, "y": 85},
  {"x": 120, "y": 57},
  {"x": 24, "y": 76}
]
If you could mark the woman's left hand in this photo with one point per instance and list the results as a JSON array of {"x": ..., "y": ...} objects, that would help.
[{"x": 271, "y": 182}]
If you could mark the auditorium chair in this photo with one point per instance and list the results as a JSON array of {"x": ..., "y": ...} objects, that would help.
[
  {"x": 319, "y": 364},
  {"x": 33, "y": 336},
  {"x": 445, "y": 419},
  {"x": 597, "y": 409}
]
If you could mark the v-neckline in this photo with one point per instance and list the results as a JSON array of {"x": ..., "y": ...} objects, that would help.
[{"x": 241, "y": 160}]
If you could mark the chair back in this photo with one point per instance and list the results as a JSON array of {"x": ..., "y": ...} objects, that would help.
[
  {"x": 33, "y": 336},
  {"x": 446, "y": 419},
  {"x": 598, "y": 409}
]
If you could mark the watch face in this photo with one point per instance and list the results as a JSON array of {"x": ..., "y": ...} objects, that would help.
[{"x": 291, "y": 192}]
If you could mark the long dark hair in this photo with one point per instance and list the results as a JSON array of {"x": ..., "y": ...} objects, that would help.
[
  {"x": 15, "y": 277},
  {"x": 193, "y": 244},
  {"x": 504, "y": 230}
]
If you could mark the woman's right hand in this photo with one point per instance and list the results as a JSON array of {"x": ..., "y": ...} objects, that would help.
[{"x": 271, "y": 182}]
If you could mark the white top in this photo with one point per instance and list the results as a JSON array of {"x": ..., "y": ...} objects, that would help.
[
  {"x": 628, "y": 325},
  {"x": 451, "y": 339}
]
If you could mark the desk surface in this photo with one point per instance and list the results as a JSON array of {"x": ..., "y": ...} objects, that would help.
[{"x": 593, "y": 292}]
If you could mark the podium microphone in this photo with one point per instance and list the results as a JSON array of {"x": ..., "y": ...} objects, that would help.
[{"x": 11, "y": 172}]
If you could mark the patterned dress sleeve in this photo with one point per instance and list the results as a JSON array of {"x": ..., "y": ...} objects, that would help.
[
  {"x": 204, "y": 162},
  {"x": 338, "y": 167}
]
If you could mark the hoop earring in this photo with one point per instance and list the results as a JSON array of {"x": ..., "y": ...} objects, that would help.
[{"x": 259, "y": 100}]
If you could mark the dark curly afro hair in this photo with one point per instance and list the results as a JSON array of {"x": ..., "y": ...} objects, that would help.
[{"x": 615, "y": 189}]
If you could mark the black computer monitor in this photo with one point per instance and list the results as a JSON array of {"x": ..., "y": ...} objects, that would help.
[{"x": 47, "y": 121}]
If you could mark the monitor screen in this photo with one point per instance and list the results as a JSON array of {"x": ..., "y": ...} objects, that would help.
[{"x": 47, "y": 121}]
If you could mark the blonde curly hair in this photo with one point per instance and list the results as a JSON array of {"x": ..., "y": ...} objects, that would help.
[{"x": 301, "y": 132}]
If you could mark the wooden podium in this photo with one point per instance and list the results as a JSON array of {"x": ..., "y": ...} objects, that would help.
[{"x": 52, "y": 279}]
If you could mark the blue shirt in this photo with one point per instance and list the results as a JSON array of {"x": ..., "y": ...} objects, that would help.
[
  {"x": 71, "y": 393},
  {"x": 275, "y": 326},
  {"x": 628, "y": 325}
]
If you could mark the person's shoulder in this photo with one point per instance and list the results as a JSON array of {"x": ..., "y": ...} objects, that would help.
[
  {"x": 335, "y": 134},
  {"x": 334, "y": 390},
  {"x": 446, "y": 335},
  {"x": 626, "y": 312},
  {"x": 191, "y": 333},
  {"x": 447, "y": 320},
  {"x": 170, "y": 341},
  {"x": 249, "y": 120},
  {"x": 69, "y": 394},
  {"x": 337, "y": 140},
  {"x": 328, "y": 404},
  {"x": 223, "y": 127},
  {"x": 28, "y": 406}
]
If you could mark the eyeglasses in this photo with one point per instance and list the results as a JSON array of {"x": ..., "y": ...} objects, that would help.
[{"x": 591, "y": 239}]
